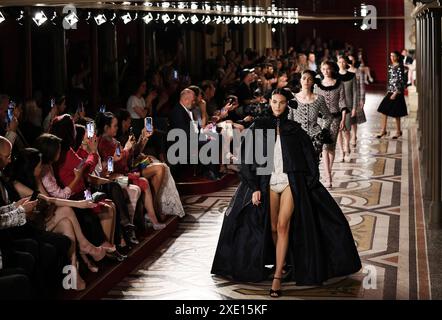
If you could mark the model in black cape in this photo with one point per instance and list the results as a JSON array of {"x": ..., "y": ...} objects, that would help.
[{"x": 321, "y": 245}]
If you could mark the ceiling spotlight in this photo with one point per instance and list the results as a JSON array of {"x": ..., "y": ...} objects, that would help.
[
  {"x": 112, "y": 19},
  {"x": 269, "y": 20},
  {"x": 2, "y": 17},
  {"x": 273, "y": 30},
  {"x": 126, "y": 18},
  {"x": 71, "y": 19},
  {"x": 219, "y": 19},
  {"x": 39, "y": 18},
  {"x": 165, "y": 17},
  {"x": 136, "y": 15},
  {"x": 181, "y": 5},
  {"x": 126, "y": 3},
  {"x": 194, "y": 6},
  {"x": 364, "y": 26},
  {"x": 244, "y": 20},
  {"x": 237, "y": 20},
  {"x": 148, "y": 18},
  {"x": 207, "y": 20},
  {"x": 194, "y": 19},
  {"x": 148, "y": 4},
  {"x": 165, "y": 5},
  {"x": 182, "y": 18},
  {"x": 100, "y": 19},
  {"x": 251, "y": 19},
  {"x": 228, "y": 20},
  {"x": 207, "y": 6}
]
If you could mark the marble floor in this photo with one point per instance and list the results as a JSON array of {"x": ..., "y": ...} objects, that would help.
[{"x": 379, "y": 191}]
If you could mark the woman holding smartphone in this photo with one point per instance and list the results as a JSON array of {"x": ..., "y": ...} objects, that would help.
[
  {"x": 107, "y": 128},
  {"x": 28, "y": 180},
  {"x": 164, "y": 190}
]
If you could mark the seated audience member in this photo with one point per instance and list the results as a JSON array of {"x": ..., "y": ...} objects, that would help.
[
  {"x": 107, "y": 128},
  {"x": 55, "y": 214},
  {"x": 181, "y": 117},
  {"x": 164, "y": 189},
  {"x": 47, "y": 249},
  {"x": 58, "y": 107}
]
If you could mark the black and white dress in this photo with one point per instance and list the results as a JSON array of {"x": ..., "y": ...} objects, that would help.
[
  {"x": 396, "y": 82},
  {"x": 314, "y": 117},
  {"x": 335, "y": 99}
]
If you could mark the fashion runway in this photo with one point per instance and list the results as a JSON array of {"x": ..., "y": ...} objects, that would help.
[{"x": 379, "y": 191}]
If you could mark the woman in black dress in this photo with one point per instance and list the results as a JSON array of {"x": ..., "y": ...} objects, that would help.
[
  {"x": 394, "y": 104},
  {"x": 282, "y": 204}
]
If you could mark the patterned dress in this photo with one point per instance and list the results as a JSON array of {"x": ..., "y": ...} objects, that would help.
[
  {"x": 359, "y": 118},
  {"x": 309, "y": 115},
  {"x": 351, "y": 94},
  {"x": 396, "y": 83},
  {"x": 335, "y": 99}
]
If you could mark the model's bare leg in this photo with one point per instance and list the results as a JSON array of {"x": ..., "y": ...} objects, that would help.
[
  {"x": 284, "y": 216},
  {"x": 274, "y": 209}
]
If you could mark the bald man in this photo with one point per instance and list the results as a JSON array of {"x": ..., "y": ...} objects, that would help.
[{"x": 181, "y": 117}]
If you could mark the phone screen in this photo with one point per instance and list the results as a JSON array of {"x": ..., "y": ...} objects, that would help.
[
  {"x": 110, "y": 164},
  {"x": 10, "y": 114},
  {"x": 90, "y": 129},
  {"x": 148, "y": 124},
  {"x": 118, "y": 151},
  {"x": 52, "y": 102},
  {"x": 103, "y": 108},
  {"x": 87, "y": 194},
  {"x": 81, "y": 164},
  {"x": 175, "y": 75}
]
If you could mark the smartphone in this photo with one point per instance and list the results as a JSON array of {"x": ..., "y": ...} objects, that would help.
[
  {"x": 52, "y": 103},
  {"x": 175, "y": 74},
  {"x": 148, "y": 124},
  {"x": 87, "y": 194},
  {"x": 80, "y": 165},
  {"x": 110, "y": 164},
  {"x": 118, "y": 151},
  {"x": 90, "y": 127},
  {"x": 10, "y": 114},
  {"x": 103, "y": 108},
  {"x": 34, "y": 196},
  {"x": 131, "y": 131}
]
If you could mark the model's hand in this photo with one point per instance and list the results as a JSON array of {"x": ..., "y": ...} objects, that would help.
[
  {"x": 256, "y": 198},
  {"x": 342, "y": 126},
  {"x": 29, "y": 206}
]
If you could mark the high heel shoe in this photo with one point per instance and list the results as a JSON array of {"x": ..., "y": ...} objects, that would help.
[
  {"x": 89, "y": 264},
  {"x": 276, "y": 293},
  {"x": 397, "y": 136},
  {"x": 382, "y": 134},
  {"x": 156, "y": 226},
  {"x": 97, "y": 253}
]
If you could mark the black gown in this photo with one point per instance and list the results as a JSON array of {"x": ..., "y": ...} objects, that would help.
[{"x": 321, "y": 245}]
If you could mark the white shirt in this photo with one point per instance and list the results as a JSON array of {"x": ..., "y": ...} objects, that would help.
[
  {"x": 133, "y": 102},
  {"x": 278, "y": 175},
  {"x": 189, "y": 112}
]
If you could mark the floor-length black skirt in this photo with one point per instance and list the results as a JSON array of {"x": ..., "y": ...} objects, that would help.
[{"x": 321, "y": 245}]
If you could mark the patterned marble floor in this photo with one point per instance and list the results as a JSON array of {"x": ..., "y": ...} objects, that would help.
[{"x": 378, "y": 190}]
